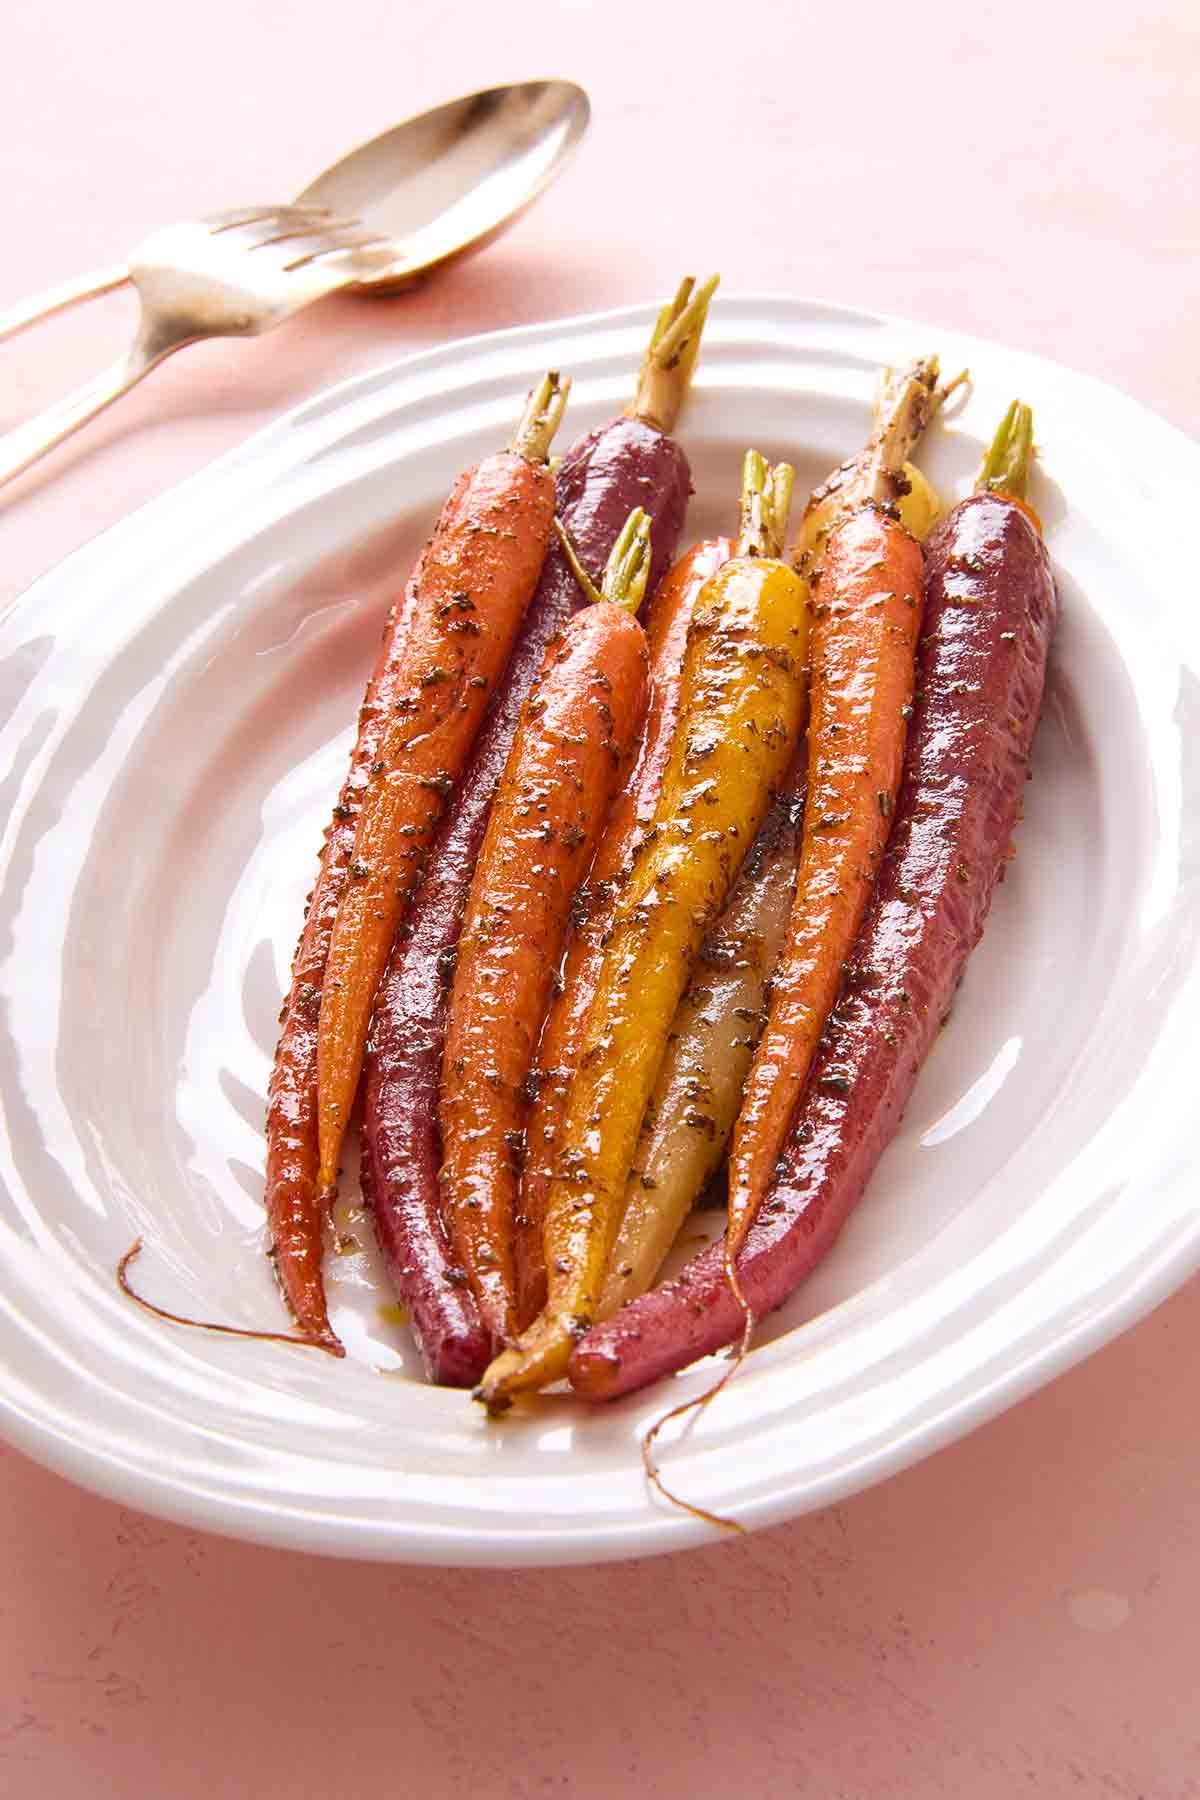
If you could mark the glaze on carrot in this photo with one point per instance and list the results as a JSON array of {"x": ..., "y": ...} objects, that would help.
[
  {"x": 867, "y": 614},
  {"x": 989, "y": 621},
  {"x": 478, "y": 577},
  {"x": 711, "y": 1043},
  {"x": 632, "y": 813},
  {"x": 295, "y": 1214},
  {"x": 435, "y": 671},
  {"x": 573, "y": 744}
]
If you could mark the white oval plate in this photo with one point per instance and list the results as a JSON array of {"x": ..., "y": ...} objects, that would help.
[{"x": 177, "y": 702}]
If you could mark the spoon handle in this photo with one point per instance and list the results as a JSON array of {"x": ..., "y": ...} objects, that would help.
[{"x": 57, "y": 299}]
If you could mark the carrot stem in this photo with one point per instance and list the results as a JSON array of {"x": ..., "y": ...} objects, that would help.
[
  {"x": 627, "y": 570},
  {"x": 944, "y": 389},
  {"x": 1009, "y": 457},
  {"x": 904, "y": 403},
  {"x": 905, "y": 408},
  {"x": 628, "y": 565},
  {"x": 765, "y": 504},
  {"x": 670, "y": 359},
  {"x": 542, "y": 417}
]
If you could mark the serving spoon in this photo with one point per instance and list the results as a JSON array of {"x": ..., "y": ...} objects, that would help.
[{"x": 439, "y": 186}]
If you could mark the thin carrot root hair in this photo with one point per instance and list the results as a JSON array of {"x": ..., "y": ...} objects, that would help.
[
  {"x": 331, "y": 1347},
  {"x": 697, "y": 1405}
]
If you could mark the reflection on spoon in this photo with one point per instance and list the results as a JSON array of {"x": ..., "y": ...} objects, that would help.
[{"x": 446, "y": 183}]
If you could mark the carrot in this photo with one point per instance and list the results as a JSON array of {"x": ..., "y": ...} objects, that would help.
[
  {"x": 623, "y": 463},
  {"x": 576, "y": 732},
  {"x": 420, "y": 672},
  {"x": 867, "y": 618},
  {"x": 709, "y": 1050},
  {"x": 990, "y": 614},
  {"x": 715, "y": 1032},
  {"x": 739, "y": 717},
  {"x": 479, "y": 576},
  {"x": 632, "y": 812},
  {"x": 294, "y": 1211}
]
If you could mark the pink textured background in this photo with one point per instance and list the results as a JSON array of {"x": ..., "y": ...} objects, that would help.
[{"x": 1018, "y": 1614}]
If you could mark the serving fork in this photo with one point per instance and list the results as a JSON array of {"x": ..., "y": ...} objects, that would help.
[{"x": 234, "y": 274}]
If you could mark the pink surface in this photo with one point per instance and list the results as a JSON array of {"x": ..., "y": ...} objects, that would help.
[{"x": 1019, "y": 1613}]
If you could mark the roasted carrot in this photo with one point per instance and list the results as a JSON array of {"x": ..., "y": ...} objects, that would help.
[
  {"x": 990, "y": 614},
  {"x": 572, "y": 747},
  {"x": 623, "y": 463},
  {"x": 294, "y": 1212},
  {"x": 739, "y": 717},
  {"x": 478, "y": 578},
  {"x": 435, "y": 670},
  {"x": 715, "y": 1032},
  {"x": 867, "y": 615},
  {"x": 709, "y": 1050},
  {"x": 632, "y": 812}
]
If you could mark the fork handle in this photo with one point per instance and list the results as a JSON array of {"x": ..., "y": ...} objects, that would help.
[
  {"x": 30, "y": 441},
  {"x": 57, "y": 299}
]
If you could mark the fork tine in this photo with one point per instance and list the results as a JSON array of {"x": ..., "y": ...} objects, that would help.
[
  {"x": 313, "y": 217},
  {"x": 376, "y": 248},
  {"x": 311, "y": 229},
  {"x": 242, "y": 215}
]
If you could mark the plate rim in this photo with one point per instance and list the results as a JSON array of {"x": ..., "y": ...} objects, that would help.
[{"x": 659, "y": 1531}]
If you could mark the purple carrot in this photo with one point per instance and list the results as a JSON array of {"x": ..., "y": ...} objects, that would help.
[{"x": 989, "y": 617}]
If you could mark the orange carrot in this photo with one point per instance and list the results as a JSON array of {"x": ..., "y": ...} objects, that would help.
[
  {"x": 867, "y": 614},
  {"x": 475, "y": 579},
  {"x": 632, "y": 813},
  {"x": 294, "y": 1211},
  {"x": 575, "y": 736}
]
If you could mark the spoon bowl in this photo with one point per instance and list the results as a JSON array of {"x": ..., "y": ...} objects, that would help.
[{"x": 446, "y": 183}]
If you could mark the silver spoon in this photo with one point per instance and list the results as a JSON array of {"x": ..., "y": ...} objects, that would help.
[{"x": 439, "y": 186}]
